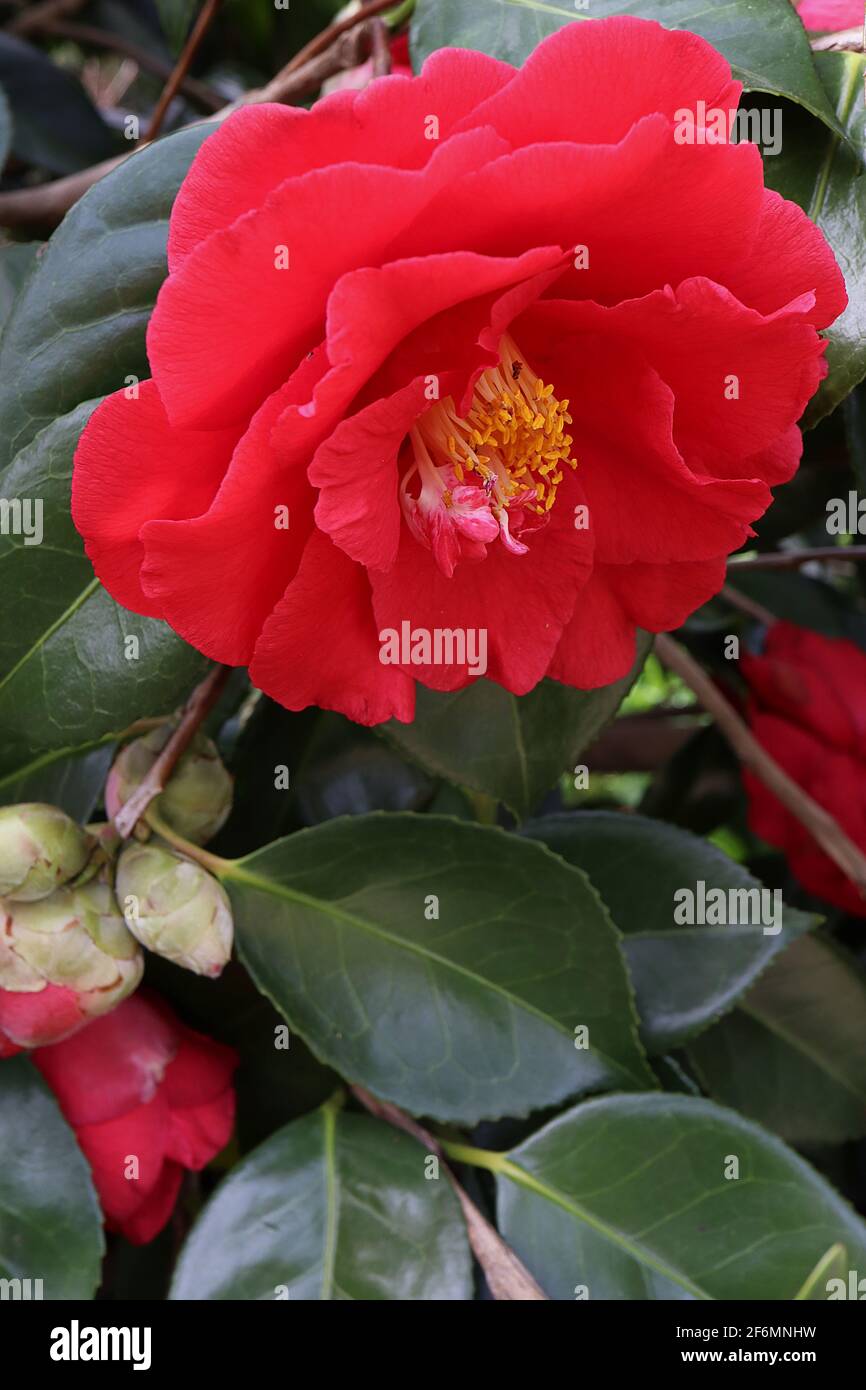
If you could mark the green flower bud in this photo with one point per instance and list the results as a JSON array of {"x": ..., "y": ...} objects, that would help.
[
  {"x": 175, "y": 907},
  {"x": 198, "y": 798},
  {"x": 41, "y": 848},
  {"x": 75, "y": 939}
]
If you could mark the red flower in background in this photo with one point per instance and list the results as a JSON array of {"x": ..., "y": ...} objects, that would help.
[
  {"x": 139, "y": 1085},
  {"x": 401, "y": 59},
  {"x": 29, "y": 1020},
  {"x": 830, "y": 15},
  {"x": 808, "y": 709},
  {"x": 432, "y": 322}
]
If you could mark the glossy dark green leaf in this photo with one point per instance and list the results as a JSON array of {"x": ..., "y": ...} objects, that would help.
[
  {"x": 54, "y": 123},
  {"x": 50, "y": 1222},
  {"x": 77, "y": 329},
  {"x": 820, "y": 172},
  {"x": 70, "y": 675},
  {"x": 763, "y": 40},
  {"x": 76, "y": 687},
  {"x": 509, "y": 747},
  {"x": 468, "y": 1015},
  {"x": 793, "y": 1054},
  {"x": 629, "y": 1197},
  {"x": 42, "y": 561},
  {"x": 333, "y": 1206},
  {"x": 684, "y": 976},
  {"x": 17, "y": 259},
  {"x": 74, "y": 784}
]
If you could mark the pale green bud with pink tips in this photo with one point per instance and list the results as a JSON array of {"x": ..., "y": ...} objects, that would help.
[
  {"x": 198, "y": 798},
  {"x": 175, "y": 908},
  {"x": 41, "y": 848},
  {"x": 64, "y": 960}
]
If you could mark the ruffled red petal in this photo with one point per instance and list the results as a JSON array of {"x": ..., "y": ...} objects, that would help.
[
  {"x": 739, "y": 379},
  {"x": 217, "y": 577},
  {"x": 645, "y": 502},
  {"x": 131, "y": 465},
  {"x": 623, "y": 70},
  {"x": 216, "y": 355},
  {"x": 598, "y": 646},
  {"x": 112, "y": 1066},
  {"x": 320, "y": 645},
  {"x": 149, "y": 1217},
  {"x": 638, "y": 209},
  {"x": 132, "y": 1143},
  {"x": 522, "y": 603},
  {"x": 271, "y": 143}
]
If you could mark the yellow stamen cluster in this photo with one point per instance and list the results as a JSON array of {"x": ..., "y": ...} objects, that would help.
[{"x": 514, "y": 439}]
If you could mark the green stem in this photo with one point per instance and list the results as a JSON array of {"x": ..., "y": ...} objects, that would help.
[
  {"x": 399, "y": 15},
  {"x": 843, "y": 111},
  {"x": 335, "y": 1102},
  {"x": 502, "y": 1166},
  {"x": 478, "y": 1158},
  {"x": 220, "y": 868}
]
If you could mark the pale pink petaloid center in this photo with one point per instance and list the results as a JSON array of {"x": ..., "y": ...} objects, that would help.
[{"x": 494, "y": 472}]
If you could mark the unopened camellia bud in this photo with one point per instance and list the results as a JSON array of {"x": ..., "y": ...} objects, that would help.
[
  {"x": 41, "y": 848},
  {"x": 175, "y": 907},
  {"x": 198, "y": 798},
  {"x": 63, "y": 961}
]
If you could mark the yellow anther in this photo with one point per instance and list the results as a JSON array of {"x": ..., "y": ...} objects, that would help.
[{"x": 516, "y": 419}]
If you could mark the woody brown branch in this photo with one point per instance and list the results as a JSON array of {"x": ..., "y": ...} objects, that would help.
[
  {"x": 196, "y": 710},
  {"x": 44, "y": 206},
  {"x": 333, "y": 31},
  {"x": 792, "y": 559},
  {"x": 193, "y": 43},
  {"x": 820, "y": 824},
  {"x": 507, "y": 1277}
]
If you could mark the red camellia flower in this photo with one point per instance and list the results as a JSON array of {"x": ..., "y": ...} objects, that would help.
[
  {"x": 808, "y": 709},
  {"x": 830, "y": 15},
  {"x": 473, "y": 372},
  {"x": 139, "y": 1088}
]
